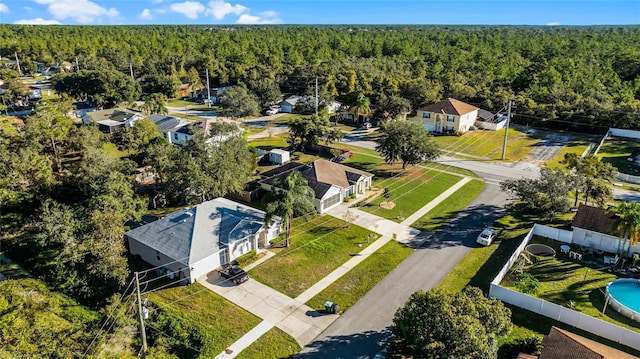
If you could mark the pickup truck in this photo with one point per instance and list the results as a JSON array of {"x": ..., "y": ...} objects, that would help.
[{"x": 235, "y": 273}]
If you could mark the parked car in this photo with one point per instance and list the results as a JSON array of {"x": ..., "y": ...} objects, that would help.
[
  {"x": 235, "y": 273},
  {"x": 271, "y": 111},
  {"x": 486, "y": 237}
]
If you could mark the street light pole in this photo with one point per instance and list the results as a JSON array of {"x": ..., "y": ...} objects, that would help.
[{"x": 506, "y": 131}]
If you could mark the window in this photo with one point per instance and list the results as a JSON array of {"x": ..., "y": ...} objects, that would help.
[
  {"x": 175, "y": 136},
  {"x": 449, "y": 128},
  {"x": 450, "y": 118},
  {"x": 426, "y": 115}
]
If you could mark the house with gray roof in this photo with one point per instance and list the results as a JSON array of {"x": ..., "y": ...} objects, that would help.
[
  {"x": 331, "y": 182},
  {"x": 111, "y": 120},
  {"x": 192, "y": 242},
  {"x": 169, "y": 126}
]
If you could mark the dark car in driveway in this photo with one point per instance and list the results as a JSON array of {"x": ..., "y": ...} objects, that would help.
[{"x": 235, "y": 273}]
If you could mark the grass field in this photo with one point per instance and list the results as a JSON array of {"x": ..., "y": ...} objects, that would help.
[
  {"x": 574, "y": 146},
  {"x": 478, "y": 143},
  {"x": 410, "y": 192},
  {"x": 347, "y": 290},
  {"x": 217, "y": 322},
  {"x": 269, "y": 143},
  {"x": 444, "y": 211},
  {"x": 319, "y": 244},
  {"x": 617, "y": 151},
  {"x": 274, "y": 344},
  {"x": 112, "y": 150}
]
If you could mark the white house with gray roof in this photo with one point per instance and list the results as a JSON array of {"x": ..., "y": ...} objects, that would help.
[{"x": 194, "y": 241}]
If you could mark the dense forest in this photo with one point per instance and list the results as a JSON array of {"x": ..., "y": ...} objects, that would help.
[{"x": 583, "y": 75}]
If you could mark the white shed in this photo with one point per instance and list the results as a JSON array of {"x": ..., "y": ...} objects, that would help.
[{"x": 279, "y": 156}]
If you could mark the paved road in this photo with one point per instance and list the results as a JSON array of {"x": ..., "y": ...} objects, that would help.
[{"x": 361, "y": 330}]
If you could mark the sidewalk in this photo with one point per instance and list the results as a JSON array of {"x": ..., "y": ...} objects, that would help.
[{"x": 291, "y": 315}]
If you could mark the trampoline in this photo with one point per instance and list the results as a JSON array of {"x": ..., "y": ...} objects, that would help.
[{"x": 541, "y": 251}]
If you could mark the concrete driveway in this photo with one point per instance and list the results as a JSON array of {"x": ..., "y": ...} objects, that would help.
[{"x": 288, "y": 314}]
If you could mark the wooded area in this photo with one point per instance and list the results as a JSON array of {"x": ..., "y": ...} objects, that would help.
[{"x": 584, "y": 75}]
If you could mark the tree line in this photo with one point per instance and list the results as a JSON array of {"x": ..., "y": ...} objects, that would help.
[{"x": 586, "y": 76}]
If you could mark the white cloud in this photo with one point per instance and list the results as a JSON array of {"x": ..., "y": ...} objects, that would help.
[
  {"x": 27, "y": 9},
  {"x": 146, "y": 14},
  {"x": 555, "y": 23},
  {"x": 190, "y": 9},
  {"x": 82, "y": 11},
  {"x": 219, "y": 9},
  {"x": 156, "y": 1},
  {"x": 37, "y": 21},
  {"x": 3, "y": 8},
  {"x": 267, "y": 17}
]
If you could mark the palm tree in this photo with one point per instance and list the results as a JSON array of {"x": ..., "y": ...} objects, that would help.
[
  {"x": 289, "y": 198},
  {"x": 361, "y": 104},
  {"x": 628, "y": 224},
  {"x": 155, "y": 103}
]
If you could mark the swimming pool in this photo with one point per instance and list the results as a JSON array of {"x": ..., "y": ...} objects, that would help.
[{"x": 624, "y": 297}]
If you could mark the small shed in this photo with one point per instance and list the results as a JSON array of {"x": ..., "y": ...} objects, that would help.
[{"x": 278, "y": 156}]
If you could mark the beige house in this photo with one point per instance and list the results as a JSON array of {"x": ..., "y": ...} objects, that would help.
[
  {"x": 448, "y": 115},
  {"x": 330, "y": 181},
  {"x": 193, "y": 241}
]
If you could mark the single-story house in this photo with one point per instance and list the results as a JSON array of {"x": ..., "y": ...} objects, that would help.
[
  {"x": 565, "y": 344},
  {"x": 289, "y": 104},
  {"x": 331, "y": 182},
  {"x": 279, "y": 156},
  {"x": 192, "y": 242},
  {"x": 109, "y": 121},
  {"x": 448, "y": 115},
  {"x": 168, "y": 125},
  {"x": 593, "y": 228},
  {"x": 488, "y": 120},
  {"x": 213, "y": 94},
  {"x": 363, "y": 116},
  {"x": 184, "y": 133}
]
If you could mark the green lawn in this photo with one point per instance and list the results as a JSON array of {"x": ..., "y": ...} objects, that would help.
[
  {"x": 365, "y": 162},
  {"x": 181, "y": 103},
  {"x": 517, "y": 148},
  {"x": 574, "y": 146},
  {"x": 617, "y": 151},
  {"x": 269, "y": 143},
  {"x": 274, "y": 344},
  {"x": 575, "y": 284},
  {"x": 446, "y": 210},
  {"x": 319, "y": 245},
  {"x": 410, "y": 192},
  {"x": 477, "y": 143},
  {"x": 216, "y": 321},
  {"x": 347, "y": 290},
  {"x": 113, "y": 150}
]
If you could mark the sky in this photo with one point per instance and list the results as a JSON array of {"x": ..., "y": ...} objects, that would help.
[{"x": 420, "y": 12}]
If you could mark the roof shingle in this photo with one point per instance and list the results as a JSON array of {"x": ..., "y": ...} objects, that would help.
[{"x": 449, "y": 106}]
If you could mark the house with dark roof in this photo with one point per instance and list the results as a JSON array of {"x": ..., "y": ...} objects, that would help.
[
  {"x": 111, "y": 120},
  {"x": 451, "y": 115},
  {"x": 593, "y": 227},
  {"x": 331, "y": 182},
  {"x": 563, "y": 344},
  {"x": 169, "y": 125},
  {"x": 192, "y": 242}
]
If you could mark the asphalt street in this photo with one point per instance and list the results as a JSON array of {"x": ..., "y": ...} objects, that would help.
[{"x": 361, "y": 331}]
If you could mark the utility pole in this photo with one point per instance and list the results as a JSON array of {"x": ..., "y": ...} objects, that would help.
[
  {"x": 77, "y": 64},
  {"x": 142, "y": 332},
  {"x": 316, "y": 95},
  {"x": 131, "y": 71},
  {"x": 506, "y": 131},
  {"x": 208, "y": 89},
  {"x": 18, "y": 63}
]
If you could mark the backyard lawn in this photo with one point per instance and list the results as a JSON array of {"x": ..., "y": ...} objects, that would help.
[
  {"x": 347, "y": 290},
  {"x": 274, "y": 344},
  {"x": 319, "y": 245},
  {"x": 410, "y": 192},
  {"x": 482, "y": 264},
  {"x": 578, "y": 285},
  {"x": 617, "y": 151},
  {"x": 269, "y": 143},
  {"x": 203, "y": 315}
]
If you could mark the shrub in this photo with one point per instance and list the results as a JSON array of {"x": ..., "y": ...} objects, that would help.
[
  {"x": 528, "y": 345},
  {"x": 527, "y": 283}
]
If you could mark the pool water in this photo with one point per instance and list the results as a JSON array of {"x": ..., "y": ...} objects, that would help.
[{"x": 626, "y": 293}]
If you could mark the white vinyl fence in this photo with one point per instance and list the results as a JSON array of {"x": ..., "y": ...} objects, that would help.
[
  {"x": 618, "y": 132},
  {"x": 582, "y": 321}
]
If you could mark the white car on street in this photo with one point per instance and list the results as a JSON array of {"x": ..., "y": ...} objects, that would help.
[{"x": 486, "y": 237}]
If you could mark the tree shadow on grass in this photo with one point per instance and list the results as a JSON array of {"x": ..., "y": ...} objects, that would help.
[{"x": 360, "y": 345}]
